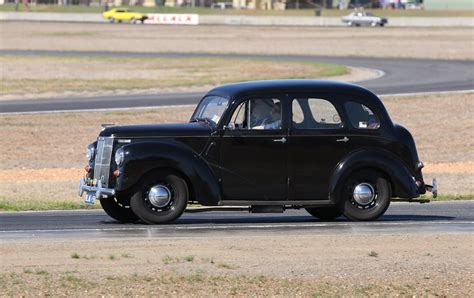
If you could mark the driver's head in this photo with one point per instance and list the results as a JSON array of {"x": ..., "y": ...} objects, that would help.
[{"x": 261, "y": 108}]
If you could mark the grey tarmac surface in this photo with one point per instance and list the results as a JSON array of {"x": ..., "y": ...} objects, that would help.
[
  {"x": 400, "y": 76},
  {"x": 435, "y": 217}
]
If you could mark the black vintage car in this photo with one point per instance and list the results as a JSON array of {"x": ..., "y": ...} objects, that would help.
[{"x": 325, "y": 146}]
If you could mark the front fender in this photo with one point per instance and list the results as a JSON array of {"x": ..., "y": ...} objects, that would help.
[
  {"x": 145, "y": 156},
  {"x": 403, "y": 185}
]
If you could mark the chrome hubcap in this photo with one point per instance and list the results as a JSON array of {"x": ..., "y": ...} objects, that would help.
[
  {"x": 363, "y": 194},
  {"x": 159, "y": 196}
]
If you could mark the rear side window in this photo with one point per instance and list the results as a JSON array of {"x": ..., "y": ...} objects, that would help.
[
  {"x": 361, "y": 116},
  {"x": 315, "y": 113}
]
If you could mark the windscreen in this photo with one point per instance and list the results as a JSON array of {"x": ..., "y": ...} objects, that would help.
[{"x": 211, "y": 108}]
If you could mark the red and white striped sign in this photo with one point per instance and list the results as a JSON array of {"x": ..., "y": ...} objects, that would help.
[{"x": 172, "y": 19}]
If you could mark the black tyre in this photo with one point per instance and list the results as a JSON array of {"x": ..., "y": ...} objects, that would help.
[
  {"x": 365, "y": 195},
  {"x": 119, "y": 209},
  {"x": 160, "y": 198},
  {"x": 325, "y": 213}
]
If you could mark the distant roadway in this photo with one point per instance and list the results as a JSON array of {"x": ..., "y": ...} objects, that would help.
[{"x": 400, "y": 75}]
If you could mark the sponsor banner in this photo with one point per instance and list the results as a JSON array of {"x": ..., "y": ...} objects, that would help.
[{"x": 172, "y": 19}]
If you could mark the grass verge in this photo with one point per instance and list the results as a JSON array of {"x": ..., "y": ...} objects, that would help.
[
  {"x": 44, "y": 205},
  {"x": 55, "y": 73},
  {"x": 250, "y": 12}
]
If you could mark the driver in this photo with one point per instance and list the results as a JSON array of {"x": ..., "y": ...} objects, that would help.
[{"x": 265, "y": 114}]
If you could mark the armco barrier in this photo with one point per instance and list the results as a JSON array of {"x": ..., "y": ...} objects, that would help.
[{"x": 248, "y": 20}]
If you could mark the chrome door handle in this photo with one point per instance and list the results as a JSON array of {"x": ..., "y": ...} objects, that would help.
[
  {"x": 345, "y": 140},
  {"x": 282, "y": 140}
]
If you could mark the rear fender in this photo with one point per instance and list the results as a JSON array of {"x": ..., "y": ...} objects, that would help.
[{"x": 403, "y": 185}]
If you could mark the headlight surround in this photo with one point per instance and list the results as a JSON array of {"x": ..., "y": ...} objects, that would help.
[
  {"x": 119, "y": 157},
  {"x": 90, "y": 152}
]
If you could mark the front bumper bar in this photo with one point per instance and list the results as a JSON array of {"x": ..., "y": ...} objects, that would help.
[{"x": 94, "y": 192}]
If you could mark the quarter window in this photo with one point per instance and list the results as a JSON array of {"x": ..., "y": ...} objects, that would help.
[
  {"x": 361, "y": 116},
  {"x": 315, "y": 113}
]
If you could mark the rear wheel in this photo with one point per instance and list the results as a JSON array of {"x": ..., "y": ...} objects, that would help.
[
  {"x": 365, "y": 195},
  {"x": 325, "y": 213},
  {"x": 133, "y": 21},
  {"x": 160, "y": 198},
  {"x": 119, "y": 208}
]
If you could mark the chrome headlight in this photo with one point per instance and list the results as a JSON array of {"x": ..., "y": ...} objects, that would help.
[
  {"x": 90, "y": 152},
  {"x": 119, "y": 157}
]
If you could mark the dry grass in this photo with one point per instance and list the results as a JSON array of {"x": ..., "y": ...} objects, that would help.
[
  {"x": 436, "y": 43},
  {"x": 432, "y": 265},
  {"x": 43, "y": 155},
  {"x": 33, "y": 75}
]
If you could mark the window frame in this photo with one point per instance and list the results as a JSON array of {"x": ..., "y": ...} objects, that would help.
[
  {"x": 337, "y": 108},
  {"x": 374, "y": 111},
  {"x": 236, "y": 104}
]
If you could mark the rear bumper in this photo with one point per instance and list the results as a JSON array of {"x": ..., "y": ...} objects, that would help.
[
  {"x": 424, "y": 188},
  {"x": 432, "y": 188},
  {"x": 94, "y": 191}
]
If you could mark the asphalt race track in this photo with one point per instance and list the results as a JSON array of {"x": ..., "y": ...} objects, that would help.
[
  {"x": 439, "y": 217},
  {"x": 399, "y": 76}
]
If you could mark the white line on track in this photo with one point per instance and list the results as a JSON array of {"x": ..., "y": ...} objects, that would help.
[{"x": 239, "y": 227}]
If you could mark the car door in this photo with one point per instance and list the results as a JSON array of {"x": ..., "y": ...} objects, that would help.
[
  {"x": 253, "y": 153},
  {"x": 317, "y": 138}
]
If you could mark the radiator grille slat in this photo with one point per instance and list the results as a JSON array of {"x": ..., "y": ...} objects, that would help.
[{"x": 102, "y": 159}]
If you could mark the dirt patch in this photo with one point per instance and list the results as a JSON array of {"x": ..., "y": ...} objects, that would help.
[
  {"x": 435, "y": 43},
  {"x": 442, "y": 125},
  {"x": 241, "y": 265}
]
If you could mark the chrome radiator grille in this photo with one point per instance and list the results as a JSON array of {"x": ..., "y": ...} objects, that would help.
[{"x": 102, "y": 159}]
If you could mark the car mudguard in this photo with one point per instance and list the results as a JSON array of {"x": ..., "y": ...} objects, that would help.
[
  {"x": 403, "y": 185},
  {"x": 145, "y": 156}
]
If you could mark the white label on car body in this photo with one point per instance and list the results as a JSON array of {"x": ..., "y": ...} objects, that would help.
[{"x": 172, "y": 19}]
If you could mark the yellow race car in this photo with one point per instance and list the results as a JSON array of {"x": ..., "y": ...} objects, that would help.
[{"x": 121, "y": 14}]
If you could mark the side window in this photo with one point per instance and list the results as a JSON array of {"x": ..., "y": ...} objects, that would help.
[
  {"x": 257, "y": 114},
  {"x": 298, "y": 116},
  {"x": 361, "y": 116},
  {"x": 315, "y": 113},
  {"x": 238, "y": 120}
]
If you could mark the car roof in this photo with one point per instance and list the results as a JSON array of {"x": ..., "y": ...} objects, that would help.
[{"x": 286, "y": 86}]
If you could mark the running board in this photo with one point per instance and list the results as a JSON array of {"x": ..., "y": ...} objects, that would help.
[
  {"x": 216, "y": 208},
  {"x": 421, "y": 201}
]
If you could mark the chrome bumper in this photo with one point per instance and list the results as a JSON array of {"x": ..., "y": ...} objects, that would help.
[
  {"x": 433, "y": 188},
  {"x": 94, "y": 192}
]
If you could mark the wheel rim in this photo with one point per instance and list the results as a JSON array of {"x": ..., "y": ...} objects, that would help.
[
  {"x": 364, "y": 196},
  {"x": 159, "y": 196}
]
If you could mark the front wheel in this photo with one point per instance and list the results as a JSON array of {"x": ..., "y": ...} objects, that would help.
[
  {"x": 160, "y": 198},
  {"x": 118, "y": 208},
  {"x": 325, "y": 213},
  {"x": 365, "y": 196}
]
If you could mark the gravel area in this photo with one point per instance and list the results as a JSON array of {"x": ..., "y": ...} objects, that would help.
[
  {"x": 435, "y": 43},
  {"x": 270, "y": 265}
]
